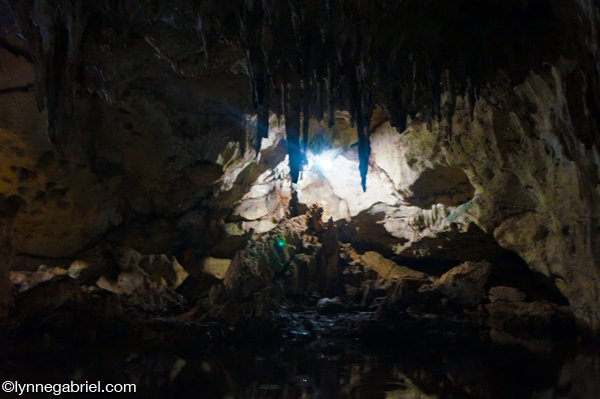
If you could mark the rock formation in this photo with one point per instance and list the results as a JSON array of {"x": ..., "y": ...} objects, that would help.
[{"x": 375, "y": 155}]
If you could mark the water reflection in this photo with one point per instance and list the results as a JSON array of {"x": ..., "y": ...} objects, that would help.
[{"x": 286, "y": 373}]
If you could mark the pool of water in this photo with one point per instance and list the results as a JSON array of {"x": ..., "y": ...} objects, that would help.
[{"x": 349, "y": 370}]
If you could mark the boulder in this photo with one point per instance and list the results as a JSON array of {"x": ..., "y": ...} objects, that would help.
[
  {"x": 388, "y": 269},
  {"x": 405, "y": 293},
  {"x": 164, "y": 267},
  {"x": 463, "y": 285},
  {"x": 216, "y": 267},
  {"x": 146, "y": 281},
  {"x": 372, "y": 289}
]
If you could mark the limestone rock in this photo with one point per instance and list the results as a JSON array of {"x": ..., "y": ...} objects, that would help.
[
  {"x": 246, "y": 276},
  {"x": 166, "y": 267},
  {"x": 374, "y": 289},
  {"x": 528, "y": 177},
  {"x": 146, "y": 281},
  {"x": 155, "y": 125},
  {"x": 464, "y": 284},
  {"x": 24, "y": 281},
  {"x": 216, "y": 267},
  {"x": 388, "y": 269},
  {"x": 404, "y": 293}
]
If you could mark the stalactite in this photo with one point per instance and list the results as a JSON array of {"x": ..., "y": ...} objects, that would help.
[
  {"x": 331, "y": 54},
  {"x": 262, "y": 118},
  {"x": 292, "y": 129},
  {"x": 331, "y": 96},
  {"x": 364, "y": 147},
  {"x": 57, "y": 31},
  {"x": 305, "y": 126}
]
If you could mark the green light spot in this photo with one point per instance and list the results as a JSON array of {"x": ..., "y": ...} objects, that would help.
[{"x": 280, "y": 242}]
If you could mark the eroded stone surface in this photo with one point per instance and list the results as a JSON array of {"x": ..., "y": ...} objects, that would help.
[
  {"x": 216, "y": 266},
  {"x": 156, "y": 154},
  {"x": 388, "y": 269},
  {"x": 463, "y": 284}
]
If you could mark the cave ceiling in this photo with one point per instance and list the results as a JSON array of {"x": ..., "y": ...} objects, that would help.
[{"x": 302, "y": 59}]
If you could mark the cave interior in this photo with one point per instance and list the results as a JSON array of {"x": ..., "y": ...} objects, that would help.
[{"x": 303, "y": 198}]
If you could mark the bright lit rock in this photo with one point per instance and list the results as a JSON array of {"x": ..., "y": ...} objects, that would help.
[{"x": 216, "y": 267}]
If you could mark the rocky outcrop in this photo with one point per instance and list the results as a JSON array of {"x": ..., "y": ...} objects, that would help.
[
  {"x": 388, "y": 269},
  {"x": 464, "y": 284},
  {"x": 135, "y": 127},
  {"x": 146, "y": 282},
  {"x": 527, "y": 169}
]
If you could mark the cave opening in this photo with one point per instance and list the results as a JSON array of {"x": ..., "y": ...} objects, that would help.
[{"x": 301, "y": 199}]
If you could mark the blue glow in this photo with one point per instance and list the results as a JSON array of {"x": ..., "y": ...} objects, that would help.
[{"x": 324, "y": 161}]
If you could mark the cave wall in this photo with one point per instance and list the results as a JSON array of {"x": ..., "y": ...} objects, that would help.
[
  {"x": 138, "y": 159},
  {"x": 123, "y": 129},
  {"x": 536, "y": 181},
  {"x": 548, "y": 197}
]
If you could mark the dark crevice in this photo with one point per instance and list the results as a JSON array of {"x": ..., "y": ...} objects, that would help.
[{"x": 18, "y": 89}]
